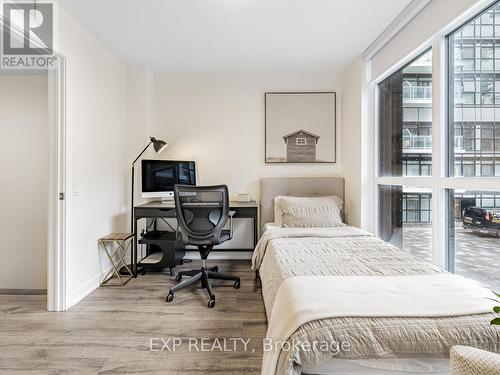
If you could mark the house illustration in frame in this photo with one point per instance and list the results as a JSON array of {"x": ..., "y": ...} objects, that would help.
[{"x": 301, "y": 146}]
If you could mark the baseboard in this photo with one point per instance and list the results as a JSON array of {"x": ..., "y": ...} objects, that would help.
[
  {"x": 221, "y": 255},
  {"x": 25, "y": 292},
  {"x": 86, "y": 288}
]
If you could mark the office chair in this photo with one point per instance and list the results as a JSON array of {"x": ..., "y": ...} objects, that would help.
[{"x": 202, "y": 212}]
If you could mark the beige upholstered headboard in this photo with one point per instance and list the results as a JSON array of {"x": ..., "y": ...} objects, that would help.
[{"x": 296, "y": 186}]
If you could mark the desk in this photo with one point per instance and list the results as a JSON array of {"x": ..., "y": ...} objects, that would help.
[{"x": 157, "y": 209}]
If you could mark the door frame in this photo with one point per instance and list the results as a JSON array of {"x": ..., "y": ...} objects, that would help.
[
  {"x": 56, "y": 228},
  {"x": 56, "y": 218}
]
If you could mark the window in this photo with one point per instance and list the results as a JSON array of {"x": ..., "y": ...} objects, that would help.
[
  {"x": 405, "y": 120},
  {"x": 301, "y": 141},
  {"x": 405, "y": 150},
  {"x": 451, "y": 185},
  {"x": 474, "y": 119},
  {"x": 405, "y": 216},
  {"x": 474, "y": 225},
  {"x": 473, "y": 214}
]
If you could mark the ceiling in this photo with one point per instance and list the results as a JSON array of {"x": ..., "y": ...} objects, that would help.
[{"x": 236, "y": 35}]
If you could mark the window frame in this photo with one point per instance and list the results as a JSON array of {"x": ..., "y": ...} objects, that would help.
[{"x": 304, "y": 143}]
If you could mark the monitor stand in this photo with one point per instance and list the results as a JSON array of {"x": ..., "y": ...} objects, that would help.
[{"x": 168, "y": 199}]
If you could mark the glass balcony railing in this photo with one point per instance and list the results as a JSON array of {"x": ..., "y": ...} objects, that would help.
[
  {"x": 417, "y": 92},
  {"x": 424, "y": 142},
  {"x": 411, "y": 142}
]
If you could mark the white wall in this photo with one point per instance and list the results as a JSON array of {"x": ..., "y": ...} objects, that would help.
[
  {"x": 218, "y": 121},
  {"x": 351, "y": 140},
  {"x": 140, "y": 104},
  {"x": 24, "y": 165},
  {"x": 96, "y": 140}
]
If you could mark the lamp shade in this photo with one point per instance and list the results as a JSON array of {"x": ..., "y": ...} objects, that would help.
[{"x": 158, "y": 145}]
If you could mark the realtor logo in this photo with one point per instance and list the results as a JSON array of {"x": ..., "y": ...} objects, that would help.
[{"x": 27, "y": 35}]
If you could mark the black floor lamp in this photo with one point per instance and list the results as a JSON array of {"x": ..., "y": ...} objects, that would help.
[{"x": 159, "y": 146}]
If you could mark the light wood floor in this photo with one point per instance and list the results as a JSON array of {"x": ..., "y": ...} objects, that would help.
[{"x": 110, "y": 331}]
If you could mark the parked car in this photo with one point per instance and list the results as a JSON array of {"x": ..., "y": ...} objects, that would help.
[{"x": 481, "y": 220}]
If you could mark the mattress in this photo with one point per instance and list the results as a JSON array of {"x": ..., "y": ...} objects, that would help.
[{"x": 360, "y": 253}]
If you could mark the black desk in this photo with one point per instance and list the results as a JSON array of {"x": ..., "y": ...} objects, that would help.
[{"x": 154, "y": 210}]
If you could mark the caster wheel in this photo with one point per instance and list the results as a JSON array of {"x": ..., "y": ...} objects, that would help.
[
  {"x": 237, "y": 284},
  {"x": 170, "y": 297},
  {"x": 216, "y": 269},
  {"x": 178, "y": 278},
  {"x": 211, "y": 303}
]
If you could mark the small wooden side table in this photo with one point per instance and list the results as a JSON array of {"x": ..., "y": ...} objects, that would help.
[{"x": 116, "y": 257}]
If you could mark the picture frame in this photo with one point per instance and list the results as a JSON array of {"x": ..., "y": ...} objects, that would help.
[{"x": 300, "y": 127}]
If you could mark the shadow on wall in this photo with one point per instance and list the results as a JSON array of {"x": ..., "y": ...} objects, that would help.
[{"x": 118, "y": 223}]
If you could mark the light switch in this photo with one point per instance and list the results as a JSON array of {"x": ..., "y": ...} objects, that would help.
[{"x": 76, "y": 189}]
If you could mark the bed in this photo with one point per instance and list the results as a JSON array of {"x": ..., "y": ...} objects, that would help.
[{"x": 404, "y": 343}]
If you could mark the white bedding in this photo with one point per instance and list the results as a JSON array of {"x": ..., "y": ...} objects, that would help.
[
  {"x": 270, "y": 226},
  {"x": 303, "y": 299},
  {"x": 286, "y": 253},
  {"x": 275, "y": 233}
]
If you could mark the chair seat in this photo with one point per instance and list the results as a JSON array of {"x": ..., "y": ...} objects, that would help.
[{"x": 225, "y": 235}]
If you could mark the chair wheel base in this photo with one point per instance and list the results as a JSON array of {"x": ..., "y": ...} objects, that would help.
[
  {"x": 170, "y": 297},
  {"x": 201, "y": 278}
]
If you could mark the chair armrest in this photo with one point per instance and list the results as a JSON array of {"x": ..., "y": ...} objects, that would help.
[{"x": 231, "y": 214}]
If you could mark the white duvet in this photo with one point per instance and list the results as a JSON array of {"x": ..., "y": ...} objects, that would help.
[
  {"x": 274, "y": 233},
  {"x": 302, "y": 299}
]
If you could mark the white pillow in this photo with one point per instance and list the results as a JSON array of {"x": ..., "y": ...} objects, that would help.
[
  {"x": 278, "y": 213},
  {"x": 308, "y": 212}
]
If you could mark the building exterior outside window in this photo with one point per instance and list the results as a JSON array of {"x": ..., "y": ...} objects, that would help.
[
  {"x": 475, "y": 74},
  {"x": 417, "y": 117},
  {"x": 406, "y": 132}
]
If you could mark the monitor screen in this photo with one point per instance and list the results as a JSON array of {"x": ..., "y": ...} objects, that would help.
[{"x": 162, "y": 175}]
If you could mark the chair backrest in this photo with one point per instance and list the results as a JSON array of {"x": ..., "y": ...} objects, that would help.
[{"x": 202, "y": 212}]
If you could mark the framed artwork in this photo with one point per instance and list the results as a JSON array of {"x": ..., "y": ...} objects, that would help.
[{"x": 300, "y": 127}]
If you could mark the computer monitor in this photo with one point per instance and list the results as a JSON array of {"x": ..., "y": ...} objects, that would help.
[{"x": 160, "y": 176}]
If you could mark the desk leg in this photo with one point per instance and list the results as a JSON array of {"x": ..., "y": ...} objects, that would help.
[
  {"x": 134, "y": 251},
  {"x": 255, "y": 231}
]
